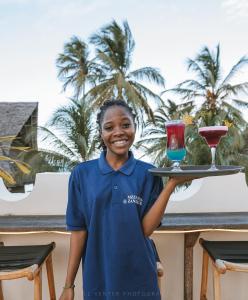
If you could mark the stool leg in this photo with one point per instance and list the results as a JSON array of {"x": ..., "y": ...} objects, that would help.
[
  {"x": 38, "y": 286},
  {"x": 1, "y": 291},
  {"x": 159, "y": 283},
  {"x": 1, "y": 288},
  {"x": 216, "y": 284},
  {"x": 204, "y": 279},
  {"x": 50, "y": 277}
]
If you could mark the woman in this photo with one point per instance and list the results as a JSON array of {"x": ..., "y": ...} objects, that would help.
[{"x": 114, "y": 205}]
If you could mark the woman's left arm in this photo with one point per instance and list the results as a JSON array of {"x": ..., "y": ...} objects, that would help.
[{"x": 155, "y": 214}]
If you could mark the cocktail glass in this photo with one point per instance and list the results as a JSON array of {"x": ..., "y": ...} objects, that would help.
[
  {"x": 213, "y": 134},
  {"x": 175, "y": 143}
]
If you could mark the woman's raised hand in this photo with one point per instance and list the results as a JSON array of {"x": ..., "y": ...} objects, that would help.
[{"x": 180, "y": 180}]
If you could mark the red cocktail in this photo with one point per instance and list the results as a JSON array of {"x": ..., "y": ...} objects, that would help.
[
  {"x": 175, "y": 142},
  {"x": 213, "y": 134}
]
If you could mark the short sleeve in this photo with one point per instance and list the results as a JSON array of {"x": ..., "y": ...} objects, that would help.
[
  {"x": 75, "y": 219},
  {"x": 155, "y": 187}
]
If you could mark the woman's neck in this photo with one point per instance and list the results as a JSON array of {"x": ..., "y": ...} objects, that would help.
[{"x": 116, "y": 161}]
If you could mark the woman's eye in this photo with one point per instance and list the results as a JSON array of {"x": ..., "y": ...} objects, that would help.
[
  {"x": 126, "y": 125},
  {"x": 108, "y": 128}
]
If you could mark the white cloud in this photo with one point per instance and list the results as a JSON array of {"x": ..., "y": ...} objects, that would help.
[{"x": 236, "y": 9}]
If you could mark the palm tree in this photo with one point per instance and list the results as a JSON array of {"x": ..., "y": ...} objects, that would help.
[
  {"x": 153, "y": 140},
  {"x": 75, "y": 67},
  {"x": 75, "y": 123},
  {"x": 114, "y": 48},
  {"x": 217, "y": 95},
  {"x": 71, "y": 134}
]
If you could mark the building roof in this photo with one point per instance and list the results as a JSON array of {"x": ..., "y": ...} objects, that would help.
[{"x": 14, "y": 115}]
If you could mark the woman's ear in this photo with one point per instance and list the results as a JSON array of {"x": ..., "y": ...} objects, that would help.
[
  {"x": 135, "y": 126},
  {"x": 101, "y": 141}
]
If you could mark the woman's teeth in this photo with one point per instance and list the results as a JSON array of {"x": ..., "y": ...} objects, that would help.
[{"x": 120, "y": 143}]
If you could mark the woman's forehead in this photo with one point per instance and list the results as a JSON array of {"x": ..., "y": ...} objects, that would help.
[{"x": 116, "y": 112}]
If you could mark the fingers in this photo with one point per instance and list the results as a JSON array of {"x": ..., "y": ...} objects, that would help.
[{"x": 183, "y": 179}]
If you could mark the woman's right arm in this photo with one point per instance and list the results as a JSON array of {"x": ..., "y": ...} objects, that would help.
[{"x": 77, "y": 244}]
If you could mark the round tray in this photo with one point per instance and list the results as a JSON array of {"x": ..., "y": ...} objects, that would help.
[{"x": 196, "y": 171}]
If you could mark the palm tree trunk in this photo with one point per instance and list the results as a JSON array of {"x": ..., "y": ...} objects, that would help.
[{"x": 119, "y": 96}]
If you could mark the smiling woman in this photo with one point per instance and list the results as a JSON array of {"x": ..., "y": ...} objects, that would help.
[{"x": 114, "y": 205}]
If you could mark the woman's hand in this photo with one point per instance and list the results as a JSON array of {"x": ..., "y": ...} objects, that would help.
[
  {"x": 67, "y": 294},
  {"x": 174, "y": 181}
]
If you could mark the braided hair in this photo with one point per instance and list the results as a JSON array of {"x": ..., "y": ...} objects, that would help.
[{"x": 106, "y": 105}]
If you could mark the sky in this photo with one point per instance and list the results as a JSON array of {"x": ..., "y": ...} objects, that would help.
[{"x": 166, "y": 32}]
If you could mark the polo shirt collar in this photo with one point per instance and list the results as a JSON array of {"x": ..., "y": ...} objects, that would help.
[{"x": 126, "y": 169}]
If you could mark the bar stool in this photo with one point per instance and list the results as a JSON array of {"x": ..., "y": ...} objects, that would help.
[
  {"x": 225, "y": 256},
  {"x": 27, "y": 261}
]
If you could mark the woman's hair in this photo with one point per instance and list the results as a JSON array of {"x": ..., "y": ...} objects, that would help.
[{"x": 109, "y": 104}]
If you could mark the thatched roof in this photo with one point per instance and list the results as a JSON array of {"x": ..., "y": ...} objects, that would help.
[{"x": 14, "y": 115}]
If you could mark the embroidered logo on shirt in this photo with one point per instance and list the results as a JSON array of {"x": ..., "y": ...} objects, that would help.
[{"x": 133, "y": 199}]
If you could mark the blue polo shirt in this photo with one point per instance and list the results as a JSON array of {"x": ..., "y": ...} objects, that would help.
[{"x": 118, "y": 260}]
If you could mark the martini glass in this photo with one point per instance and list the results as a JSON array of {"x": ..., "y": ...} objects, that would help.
[
  {"x": 213, "y": 134},
  {"x": 175, "y": 143}
]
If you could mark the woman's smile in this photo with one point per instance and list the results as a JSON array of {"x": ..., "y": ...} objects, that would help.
[{"x": 120, "y": 143}]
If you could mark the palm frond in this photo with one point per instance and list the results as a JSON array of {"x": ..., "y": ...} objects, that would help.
[
  {"x": 8, "y": 138},
  {"x": 7, "y": 176},
  {"x": 148, "y": 73},
  {"x": 240, "y": 103},
  {"x": 235, "y": 69},
  {"x": 194, "y": 66},
  {"x": 55, "y": 141}
]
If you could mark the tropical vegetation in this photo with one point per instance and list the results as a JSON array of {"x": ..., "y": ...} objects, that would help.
[
  {"x": 216, "y": 95},
  {"x": 71, "y": 135},
  {"x": 8, "y": 164},
  {"x": 95, "y": 77},
  {"x": 108, "y": 74},
  {"x": 209, "y": 99},
  {"x": 102, "y": 68}
]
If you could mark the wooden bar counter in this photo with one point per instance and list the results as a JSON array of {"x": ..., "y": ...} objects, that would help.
[{"x": 190, "y": 224}]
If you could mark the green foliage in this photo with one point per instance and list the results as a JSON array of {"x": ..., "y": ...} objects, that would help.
[
  {"x": 10, "y": 166},
  {"x": 216, "y": 95},
  {"x": 75, "y": 68},
  {"x": 72, "y": 135},
  {"x": 108, "y": 74}
]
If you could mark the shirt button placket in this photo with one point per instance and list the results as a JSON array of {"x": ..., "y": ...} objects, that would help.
[{"x": 115, "y": 189}]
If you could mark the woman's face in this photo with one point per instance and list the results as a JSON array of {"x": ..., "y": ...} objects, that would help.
[{"x": 118, "y": 130}]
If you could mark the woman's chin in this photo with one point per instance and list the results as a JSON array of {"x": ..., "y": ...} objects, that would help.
[{"x": 120, "y": 151}]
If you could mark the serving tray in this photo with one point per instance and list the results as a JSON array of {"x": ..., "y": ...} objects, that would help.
[{"x": 196, "y": 171}]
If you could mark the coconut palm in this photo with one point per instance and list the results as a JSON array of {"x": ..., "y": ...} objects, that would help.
[
  {"x": 75, "y": 67},
  {"x": 114, "y": 48},
  {"x": 219, "y": 97},
  {"x": 71, "y": 134},
  {"x": 75, "y": 123}
]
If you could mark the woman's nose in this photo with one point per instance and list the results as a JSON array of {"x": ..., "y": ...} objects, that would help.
[{"x": 118, "y": 131}]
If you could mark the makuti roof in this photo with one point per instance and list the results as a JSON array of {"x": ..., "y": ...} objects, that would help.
[{"x": 14, "y": 115}]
